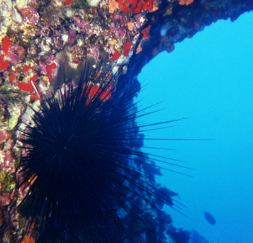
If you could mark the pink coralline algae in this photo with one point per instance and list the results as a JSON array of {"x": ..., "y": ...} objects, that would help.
[
  {"x": 120, "y": 18},
  {"x": 71, "y": 37},
  {"x": 16, "y": 54},
  {"x": 5, "y": 199},
  {"x": 120, "y": 32},
  {"x": 83, "y": 25},
  {"x": 94, "y": 51},
  {"x": 4, "y": 135},
  {"x": 6, "y": 158},
  {"x": 30, "y": 16}
]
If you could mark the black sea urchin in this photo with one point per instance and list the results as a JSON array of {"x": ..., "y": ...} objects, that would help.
[{"x": 88, "y": 180}]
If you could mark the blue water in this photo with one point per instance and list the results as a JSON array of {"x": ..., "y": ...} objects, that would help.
[{"x": 209, "y": 79}]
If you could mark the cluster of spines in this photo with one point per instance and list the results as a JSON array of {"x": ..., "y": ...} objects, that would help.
[{"x": 84, "y": 165}]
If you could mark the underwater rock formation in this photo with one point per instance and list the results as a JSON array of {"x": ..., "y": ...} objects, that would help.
[
  {"x": 45, "y": 42},
  {"x": 197, "y": 238}
]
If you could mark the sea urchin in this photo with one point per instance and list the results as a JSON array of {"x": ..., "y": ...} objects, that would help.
[{"x": 88, "y": 180}]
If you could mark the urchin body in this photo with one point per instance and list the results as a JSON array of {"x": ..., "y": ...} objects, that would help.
[{"x": 80, "y": 170}]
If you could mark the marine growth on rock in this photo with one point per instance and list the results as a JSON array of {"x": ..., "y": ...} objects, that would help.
[{"x": 46, "y": 48}]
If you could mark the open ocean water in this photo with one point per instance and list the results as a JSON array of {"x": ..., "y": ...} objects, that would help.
[{"x": 209, "y": 80}]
